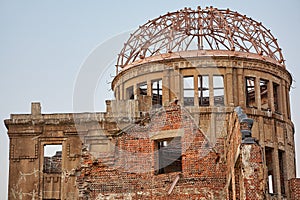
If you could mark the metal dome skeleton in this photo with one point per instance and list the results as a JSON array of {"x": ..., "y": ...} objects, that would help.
[{"x": 201, "y": 29}]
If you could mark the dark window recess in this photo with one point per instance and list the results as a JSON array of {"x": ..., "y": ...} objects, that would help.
[
  {"x": 203, "y": 90},
  {"x": 169, "y": 155},
  {"x": 269, "y": 162},
  {"x": 218, "y": 90},
  {"x": 188, "y": 90},
  {"x": 157, "y": 93},
  {"x": 282, "y": 170},
  {"x": 250, "y": 92},
  {"x": 264, "y": 94},
  {"x": 129, "y": 93},
  {"x": 276, "y": 97},
  {"x": 52, "y": 159},
  {"x": 142, "y": 88}
]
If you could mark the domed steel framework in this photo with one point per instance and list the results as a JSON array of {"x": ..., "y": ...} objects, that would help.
[{"x": 200, "y": 29}]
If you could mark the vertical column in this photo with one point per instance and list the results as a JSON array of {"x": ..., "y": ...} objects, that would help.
[
  {"x": 212, "y": 130},
  {"x": 173, "y": 85},
  {"x": 177, "y": 83},
  {"x": 122, "y": 91},
  {"x": 257, "y": 93},
  {"x": 211, "y": 90},
  {"x": 166, "y": 87},
  {"x": 233, "y": 182},
  {"x": 149, "y": 88},
  {"x": 283, "y": 100},
  {"x": 276, "y": 172},
  {"x": 241, "y": 83},
  {"x": 135, "y": 91},
  {"x": 196, "y": 92},
  {"x": 287, "y": 91},
  {"x": 271, "y": 96},
  {"x": 235, "y": 87},
  {"x": 228, "y": 88},
  {"x": 117, "y": 93}
]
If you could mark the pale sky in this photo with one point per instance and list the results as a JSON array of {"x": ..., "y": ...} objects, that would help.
[{"x": 44, "y": 44}]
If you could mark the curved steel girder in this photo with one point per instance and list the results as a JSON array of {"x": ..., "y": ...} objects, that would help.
[{"x": 209, "y": 28}]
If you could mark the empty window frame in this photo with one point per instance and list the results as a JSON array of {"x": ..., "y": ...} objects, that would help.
[
  {"x": 188, "y": 90},
  {"x": 157, "y": 92},
  {"x": 52, "y": 159},
  {"x": 218, "y": 88},
  {"x": 282, "y": 171},
  {"x": 169, "y": 155},
  {"x": 250, "y": 92},
  {"x": 276, "y": 97},
  {"x": 129, "y": 93},
  {"x": 270, "y": 168},
  {"x": 203, "y": 90},
  {"x": 264, "y": 94},
  {"x": 142, "y": 87}
]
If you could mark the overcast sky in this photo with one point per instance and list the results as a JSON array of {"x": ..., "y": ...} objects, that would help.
[{"x": 44, "y": 45}]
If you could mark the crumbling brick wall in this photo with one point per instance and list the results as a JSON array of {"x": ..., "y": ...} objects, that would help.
[
  {"x": 133, "y": 173},
  {"x": 244, "y": 162}
]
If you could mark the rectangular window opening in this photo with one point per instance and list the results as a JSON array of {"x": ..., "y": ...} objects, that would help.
[
  {"x": 157, "y": 93},
  {"x": 169, "y": 155},
  {"x": 269, "y": 163},
  {"x": 129, "y": 93},
  {"x": 250, "y": 92},
  {"x": 264, "y": 94},
  {"x": 203, "y": 90},
  {"x": 282, "y": 170},
  {"x": 276, "y": 97},
  {"x": 218, "y": 90},
  {"x": 142, "y": 88},
  {"x": 52, "y": 159},
  {"x": 188, "y": 90}
]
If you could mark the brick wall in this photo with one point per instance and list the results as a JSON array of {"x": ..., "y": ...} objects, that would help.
[
  {"x": 294, "y": 185},
  {"x": 252, "y": 176},
  {"x": 227, "y": 170},
  {"x": 133, "y": 174}
]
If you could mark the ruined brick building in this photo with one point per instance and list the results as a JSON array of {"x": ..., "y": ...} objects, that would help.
[{"x": 201, "y": 111}]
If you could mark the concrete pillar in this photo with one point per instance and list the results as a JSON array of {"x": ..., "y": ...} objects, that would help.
[
  {"x": 135, "y": 91},
  {"x": 228, "y": 86},
  {"x": 149, "y": 88},
  {"x": 287, "y": 91},
  {"x": 241, "y": 91},
  {"x": 122, "y": 91},
  {"x": 271, "y": 96},
  {"x": 177, "y": 84},
  {"x": 166, "y": 87},
  {"x": 257, "y": 93},
  {"x": 276, "y": 172},
  {"x": 211, "y": 90},
  {"x": 283, "y": 100},
  {"x": 235, "y": 87},
  {"x": 196, "y": 92}
]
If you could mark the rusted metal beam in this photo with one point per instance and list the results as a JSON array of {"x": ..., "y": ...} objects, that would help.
[{"x": 208, "y": 29}]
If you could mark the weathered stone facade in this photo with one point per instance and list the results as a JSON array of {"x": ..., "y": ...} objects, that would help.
[{"x": 197, "y": 124}]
